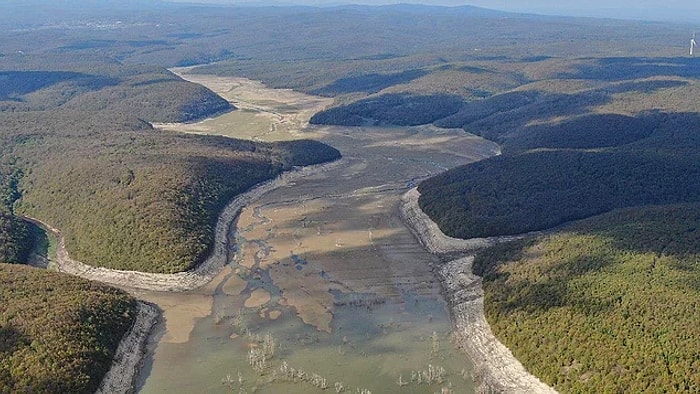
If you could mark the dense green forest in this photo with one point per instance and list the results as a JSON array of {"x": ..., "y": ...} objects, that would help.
[
  {"x": 541, "y": 189},
  {"x": 607, "y": 305},
  {"x": 58, "y": 333},
  {"x": 16, "y": 239},
  {"x": 574, "y": 149},
  {"x": 16, "y": 235}
]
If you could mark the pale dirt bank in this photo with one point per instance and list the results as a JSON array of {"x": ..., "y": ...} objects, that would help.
[
  {"x": 181, "y": 281},
  {"x": 128, "y": 359},
  {"x": 495, "y": 367}
]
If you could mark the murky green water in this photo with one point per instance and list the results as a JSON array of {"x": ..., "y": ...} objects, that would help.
[
  {"x": 385, "y": 346},
  {"x": 375, "y": 348}
]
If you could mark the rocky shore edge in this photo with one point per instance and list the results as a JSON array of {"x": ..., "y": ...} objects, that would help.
[
  {"x": 129, "y": 357},
  {"x": 495, "y": 367}
]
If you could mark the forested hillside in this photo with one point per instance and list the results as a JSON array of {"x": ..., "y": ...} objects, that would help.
[
  {"x": 124, "y": 195},
  {"x": 16, "y": 238},
  {"x": 607, "y": 305},
  {"x": 574, "y": 149},
  {"x": 537, "y": 190},
  {"x": 101, "y": 85},
  {"x": 58, "y": 333}
]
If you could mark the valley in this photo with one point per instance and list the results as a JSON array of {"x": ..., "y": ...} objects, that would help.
[
  {"x": 277, "y": 189},
  {"x": 323, "y": 263}
]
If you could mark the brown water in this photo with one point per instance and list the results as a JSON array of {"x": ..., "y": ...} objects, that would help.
[{"x": 323, "y": 268}]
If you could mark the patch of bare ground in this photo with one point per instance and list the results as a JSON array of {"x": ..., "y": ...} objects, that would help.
[
  {"x": 496, "y": 369},
  {"x": 262, "y": 114}
]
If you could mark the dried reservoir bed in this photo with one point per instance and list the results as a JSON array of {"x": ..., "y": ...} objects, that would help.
[{"x": 323, "y": 264}]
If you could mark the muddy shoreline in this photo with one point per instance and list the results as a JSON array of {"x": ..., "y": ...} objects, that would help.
[
  {"x": 491, "y": 376},
  {"x": 495, "y": 367}
]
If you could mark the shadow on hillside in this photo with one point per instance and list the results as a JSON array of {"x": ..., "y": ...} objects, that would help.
[
  {"x": 391, "y": 109},
  {"x": 368, "y": 83},
  {"x": 627, "y": 68},
  {"x": 498, "y": 126},
  {"x": 540, "y": 189},
  {"x": 501, "y": 117},
  {"x": 588, "y": 131},
  {"x": 645, "y": 86},
  {"x": 10, "y": 340},
  {"x": 15, "y": 84}
]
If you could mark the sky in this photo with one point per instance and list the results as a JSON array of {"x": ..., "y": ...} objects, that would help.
[{"x": 679, "y": 10}]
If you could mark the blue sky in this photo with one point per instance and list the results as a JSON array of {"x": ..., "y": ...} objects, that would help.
[{"x": 681, "y": 10}]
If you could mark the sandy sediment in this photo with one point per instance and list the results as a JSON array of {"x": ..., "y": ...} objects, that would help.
[
  {"x": 196, "y": 277},
  {"x": 496, "y": 369},
  {"x": 128, "y": 358}
]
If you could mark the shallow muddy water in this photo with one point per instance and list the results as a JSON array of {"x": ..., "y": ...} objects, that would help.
[{"x": 326, "y": 287}]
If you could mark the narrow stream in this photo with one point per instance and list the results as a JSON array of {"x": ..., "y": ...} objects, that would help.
[{"x": 326, "y": 289}]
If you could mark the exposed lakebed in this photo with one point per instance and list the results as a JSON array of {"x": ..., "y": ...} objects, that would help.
[{"x": 325, "y": 284}]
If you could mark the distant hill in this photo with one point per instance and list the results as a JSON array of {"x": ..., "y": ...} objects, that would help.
[{"x": 39, "y": 83}]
